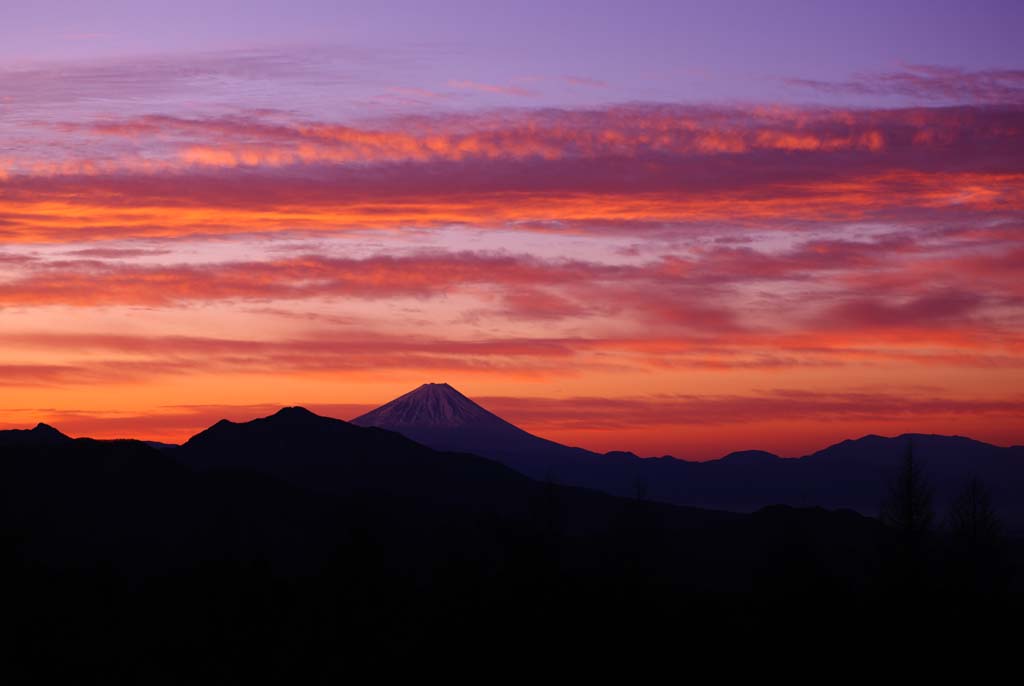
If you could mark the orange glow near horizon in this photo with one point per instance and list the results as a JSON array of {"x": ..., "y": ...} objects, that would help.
[
  {"x": 688, "y": 439},
  {"x": 661, "y": 279}
]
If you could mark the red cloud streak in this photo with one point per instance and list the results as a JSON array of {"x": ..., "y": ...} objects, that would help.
[{"x": 735, "y": 248}]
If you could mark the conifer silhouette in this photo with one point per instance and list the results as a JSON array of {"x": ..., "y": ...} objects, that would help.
[{"x": 907, "y": 511}]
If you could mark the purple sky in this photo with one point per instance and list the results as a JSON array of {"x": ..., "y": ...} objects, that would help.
[
  {"x": 667, "y": 227},
  {"x": 661, "y": 51}
]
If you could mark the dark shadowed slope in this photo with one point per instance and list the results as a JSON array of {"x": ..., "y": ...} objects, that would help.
[
  {"x": 852, "y": 474},
  {"x": 337, "y": 457},
  {"x": 42, "y": 434},
  {"x": 117, "y": 555},
  {"x": 113, "y": 552},
  {"x": 289, "y": 488}
]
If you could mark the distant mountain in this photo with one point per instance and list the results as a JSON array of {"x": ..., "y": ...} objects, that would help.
[
  {"x": 445, "y": 437},
  {"x": 852, "y": 474},
  {"x": 434, "y": 405},
  {"x": 437, "y": 415}
]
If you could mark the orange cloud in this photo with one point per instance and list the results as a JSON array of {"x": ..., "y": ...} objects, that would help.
[
  {"x": 84, "y": 209},
  {"x": 625, "y": 166},
  {"x": 724, "y": 250}
]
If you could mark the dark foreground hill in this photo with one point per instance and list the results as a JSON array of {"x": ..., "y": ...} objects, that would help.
[
  {"x": 297, "y": 547},
  {"x": 853, "y": 474}
]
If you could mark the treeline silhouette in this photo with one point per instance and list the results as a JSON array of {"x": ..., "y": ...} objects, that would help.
[
  {"x": 126, "y": 561},
  {"x": 967, "y": 552}
]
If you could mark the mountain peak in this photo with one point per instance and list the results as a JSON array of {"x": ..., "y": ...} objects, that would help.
[
  {"x": 41, "y": 434},
  {"x": 749, "y": 457},
  {"x": 432, "y": 405},
  {"x": 436, "y": 389},
  {"x": 48, "y": 434},
  {"x": 293, "y": 413}
]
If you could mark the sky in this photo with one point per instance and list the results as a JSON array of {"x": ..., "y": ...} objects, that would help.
[{"x": 667, "y": 227}]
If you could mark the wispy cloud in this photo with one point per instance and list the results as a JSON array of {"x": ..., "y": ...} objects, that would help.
[
  {"x": 589, "y": 170},
  {"x": 931, "y": 83},
  {"x": 776, "y": 405},
  {"x": 494, "y": 89},
  {"x": 719, "y": 249},
  {"x": 585, "y": 81}
]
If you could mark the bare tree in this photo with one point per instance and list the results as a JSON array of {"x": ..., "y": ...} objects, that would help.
[
  {"x": 976, "y": 538},
  {"x": 972, "y": 517}
]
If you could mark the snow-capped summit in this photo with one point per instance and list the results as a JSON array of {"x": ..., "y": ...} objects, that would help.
[
  {"x": 432, "y": 405},
  {"x": 437, "y": 415}
]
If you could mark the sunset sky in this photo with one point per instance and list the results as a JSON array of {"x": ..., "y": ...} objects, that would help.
[{"x": 666, "y": 227}]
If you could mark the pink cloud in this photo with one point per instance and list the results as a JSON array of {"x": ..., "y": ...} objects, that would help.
[
  {"x": 782, "y": 404},
  {"x": 656, "y": 169},
  {"x": 889, "y": 283}
]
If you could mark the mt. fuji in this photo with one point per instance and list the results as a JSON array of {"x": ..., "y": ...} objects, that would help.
[{"x": 852, "y": 474}]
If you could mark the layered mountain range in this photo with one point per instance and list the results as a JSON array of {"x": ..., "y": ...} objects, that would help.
[
  {"x": 852, "y": 474},
  {"x": 436, "y": 440},
  {"x": 290, "y": 488},
  {"x": 293, "y": 538}
]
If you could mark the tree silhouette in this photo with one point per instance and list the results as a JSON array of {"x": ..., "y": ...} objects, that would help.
[
  {"x": 976, "y": 539},
  {"x": 907, "y": 511},
  {"x": 972, "y": 517}
]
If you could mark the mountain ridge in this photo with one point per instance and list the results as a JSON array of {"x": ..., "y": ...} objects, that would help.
[
  {"x": 851, "y": 474},
  {"x": 41, "y": 434}
]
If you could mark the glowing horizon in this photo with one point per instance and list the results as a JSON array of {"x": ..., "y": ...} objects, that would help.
[{"x": 673, "y": 247}]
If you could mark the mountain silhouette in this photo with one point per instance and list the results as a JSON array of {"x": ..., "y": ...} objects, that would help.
[
  {"x": 337, "y": 457},
  {"x": 852, "y": 474},
  {"x": 298, "y": 545},
  {"x": 284, "y": 488},
  {"x": 42, "y": 434}
]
